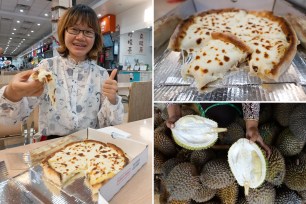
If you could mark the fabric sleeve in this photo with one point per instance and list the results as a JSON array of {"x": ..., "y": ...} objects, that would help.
[
  {"x": 110, "y": 114},
  {"x": 251, "y": 111},
  {"x": 12, "y": 112}
]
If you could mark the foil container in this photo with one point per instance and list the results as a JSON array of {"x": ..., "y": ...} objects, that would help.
[
  {"x": 12, "y": 193},
  {"x": 235, "y": 86},
  {"x": 45, "y": 191}
]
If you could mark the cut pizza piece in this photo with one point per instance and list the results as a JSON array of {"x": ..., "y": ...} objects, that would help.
[
  {"x": 220, "y": 55},
  {"x": 47, "y": 77},
  {"x": 105, "y": 163},
  {"x": 98, "y": 161},
  {"x": 63, "y": 165}
]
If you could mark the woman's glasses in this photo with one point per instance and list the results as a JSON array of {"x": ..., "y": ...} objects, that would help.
[{"x": 76, "y": 31}]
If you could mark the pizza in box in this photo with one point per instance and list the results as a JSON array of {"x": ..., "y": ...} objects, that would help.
[
  {"x": 95, "y": 160},
  {"x": 219, "y": 41}
]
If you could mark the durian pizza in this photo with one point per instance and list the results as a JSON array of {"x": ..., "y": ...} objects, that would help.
[
  {"x": 48, "y": 78},
  {"x": 220, "y": 40},
  {"x": 98, "y": 161}
]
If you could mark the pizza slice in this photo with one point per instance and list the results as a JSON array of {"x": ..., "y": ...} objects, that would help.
[
  {"x": 104, "y": 164},
  {"x": 48, "y": 78},
  {"x": 63, "y": 165},
  {"x": 222, "y": 54}
]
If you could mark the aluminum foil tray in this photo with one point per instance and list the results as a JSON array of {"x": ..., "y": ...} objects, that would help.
[
  {"x": 44, "y": 191},
  {"x": 12, "y": 193},
  {"x": 235, "y": 86}
]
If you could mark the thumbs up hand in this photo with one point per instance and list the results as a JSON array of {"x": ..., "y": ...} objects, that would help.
[{"x": 110, "y": 87}]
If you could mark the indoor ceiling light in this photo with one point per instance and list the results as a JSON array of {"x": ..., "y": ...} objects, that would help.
[
  {"x": 13, "y": 33},
  {"x": 18, "y": 21},
  {"x": 38, "y": 24},
  {"x": 21, "y": 10},
  {"x": 46, "y": 14},
  {"x": 99, "y": 15},
  {"x": 32, "y": 31},
  {"x": 14, "y": 29}
]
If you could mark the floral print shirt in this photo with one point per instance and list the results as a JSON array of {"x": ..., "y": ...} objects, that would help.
[
  {"x": 251, "y": 111},
  {"x": 79, "y": 101}
]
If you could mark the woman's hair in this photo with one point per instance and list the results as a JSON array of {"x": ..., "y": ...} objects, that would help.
[{"x": 85, "y": 15}]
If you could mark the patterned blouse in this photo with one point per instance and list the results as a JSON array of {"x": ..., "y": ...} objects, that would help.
[
  {"x": 79, "y": 101},
  {"x": 251, "y": 111}
]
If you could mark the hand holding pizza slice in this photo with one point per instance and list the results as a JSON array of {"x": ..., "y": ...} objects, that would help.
[{"x": 47, "y": 78}]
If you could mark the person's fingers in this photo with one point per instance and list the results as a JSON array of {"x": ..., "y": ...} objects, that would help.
[
  {"x": 265, "y": 147},
  {"x": 24, "y": 76},
  {"x": 109, "y": 86},
  {"x": 38, "y": 92},
  {"x": 113, "y": 74},
  {"x": 169, "y": 124}
]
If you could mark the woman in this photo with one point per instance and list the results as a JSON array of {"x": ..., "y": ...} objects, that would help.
[{"x": 85, "y": 94}]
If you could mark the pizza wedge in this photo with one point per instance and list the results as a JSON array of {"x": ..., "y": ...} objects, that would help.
[
  {"x": 222, "y": 54},
  {"x": 48, "y": 78}
]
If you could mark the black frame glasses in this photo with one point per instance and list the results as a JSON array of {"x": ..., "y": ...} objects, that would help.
[{"x": 76, "y": 31}]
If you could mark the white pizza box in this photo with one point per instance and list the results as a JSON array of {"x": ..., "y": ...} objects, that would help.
[{"x": 137, "y": 153}]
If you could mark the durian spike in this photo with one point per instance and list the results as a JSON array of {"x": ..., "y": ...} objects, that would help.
[{"x": 246, "y": 188}]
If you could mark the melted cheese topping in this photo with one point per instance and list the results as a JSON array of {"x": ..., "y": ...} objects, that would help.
[
  {"x": 97, "y": 161},
  {"x": 212, "y": 62},
  {"x": 263, "y": 35}
]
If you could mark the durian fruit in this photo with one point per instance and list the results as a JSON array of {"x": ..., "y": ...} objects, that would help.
[
  {"x": 184, "y": 155},
  {"x": 302, "y": 194},
  {"x": 159, "y": 160},
  {"x": 180, "y": 202},
  {"x": 265, "y": 194},
  {"x": 287, "y": 196},
  {"x": 247, "y": 163},
  {"x": 187, "y": 110},
  {"x": 282, "y": 111},
  {"x": 158, "y": 120},
  {"x": 242, "y": 200},
  {"x": 194, "y": 132},
  {"x": 182, "y": 182},
  {"x": 269, "y": 132},
  {"x": 200, "y": 157},
  {"x": 265, "y": 113},
  {"x": 164, "y": 113},
  {"x": 288, "y": 144},
  {"x": 298, "y": 121},
  {"x": 276, "y": 168},
  {"x": 239, "y": 120},
  {"x": 163, "y": 142},
  {"x": 156, "y": 185},
  {"x": 216, "y": 174},
  {"x": 204, "y": 194},
  {"x": 229, "y": 194},
  {"x": 234, "y": 133},
  {"x": 296, "y": 174},
  {"x": 167, "y": 166}
]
